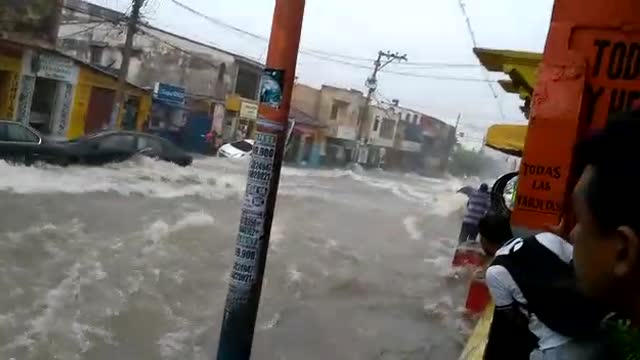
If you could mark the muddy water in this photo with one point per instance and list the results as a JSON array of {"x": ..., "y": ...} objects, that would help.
[{"x": 131, "y": 262}]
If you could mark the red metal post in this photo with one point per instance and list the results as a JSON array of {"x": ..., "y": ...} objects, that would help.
[{"x": 262, "y": 183}]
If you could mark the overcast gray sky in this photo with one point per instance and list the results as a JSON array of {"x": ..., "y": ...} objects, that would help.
[{"x": 431, "y": 31}]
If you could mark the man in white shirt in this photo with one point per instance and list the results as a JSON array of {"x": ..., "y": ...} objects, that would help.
[{"x": 528, "y": 266}]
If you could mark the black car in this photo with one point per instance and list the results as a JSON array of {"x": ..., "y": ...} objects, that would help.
[
  {"x": 115, "y": 146},
  {"x": 24, "y": 145}
]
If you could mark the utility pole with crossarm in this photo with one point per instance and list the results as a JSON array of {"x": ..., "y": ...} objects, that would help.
[{"x": 384, "y": 58}]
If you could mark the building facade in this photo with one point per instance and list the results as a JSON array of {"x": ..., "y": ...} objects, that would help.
[
  {"x": 33, "y": 22},
  {"x": 337, "y": 111},
  {"x": 381, "y": 137},
  {"x": 229, "y": 81},
  {"x": 58, "y": 95}
]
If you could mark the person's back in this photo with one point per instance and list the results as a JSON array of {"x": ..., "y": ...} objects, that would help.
[
  {"x": 537, "y": 307},
  {"x": 478, "y": 205}
]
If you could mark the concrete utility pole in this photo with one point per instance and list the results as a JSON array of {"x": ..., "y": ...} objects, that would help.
[
  {"x": 132, "y": 26},
  {"x": 372, "y": 85}
]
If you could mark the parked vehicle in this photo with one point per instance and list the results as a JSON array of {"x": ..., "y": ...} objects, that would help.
[
  {"x": 236, "y": 150},
  {"x": 24, "y": 145},
  {"x": 115, "y": 146}
]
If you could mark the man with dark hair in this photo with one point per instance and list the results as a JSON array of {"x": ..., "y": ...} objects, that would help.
[
  {"x": 495, "y": 231},
  {"x": 538, "y": 313},
  {"x": 607, "y": 231},
  {"x": 477, "y": 207}
]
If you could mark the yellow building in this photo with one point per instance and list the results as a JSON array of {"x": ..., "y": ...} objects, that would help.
[
  {"x": 241, "y": 116},
  {"x": 93, "y": 85},
  {"x": 61, "y": 96}
]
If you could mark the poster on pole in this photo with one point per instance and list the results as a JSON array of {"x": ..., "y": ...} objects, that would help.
[{"x": 271, "y": 87}]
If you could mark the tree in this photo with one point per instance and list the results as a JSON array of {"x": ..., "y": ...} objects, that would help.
[{"x": 464, "y": 162}]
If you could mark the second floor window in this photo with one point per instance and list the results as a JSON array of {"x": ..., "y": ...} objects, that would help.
[{"x": 335, "y": 107}]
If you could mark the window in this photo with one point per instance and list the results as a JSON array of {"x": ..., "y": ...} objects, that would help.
[
  {"x": 17, "y": 133},
  {"x": 387, "y": 129},
  {"x": 95, "y": 53},
  {"x": 408, "y": 117},
  {"x": 145, "y": 142},
  {"x": 247, "y": 84},
  {"x": 242, "y": 145},
  {"x": 116, "y": 142},
  {"x": 376, "y": 123},
  {"x": 334, "y": 110},
  {"x": 415, "y": 119}
]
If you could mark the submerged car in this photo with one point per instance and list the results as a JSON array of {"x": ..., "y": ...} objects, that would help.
[
  {"x": 236, "y": 150},
  {"x": 24, "y": 145},
  {"x": 117, "y": 146}
]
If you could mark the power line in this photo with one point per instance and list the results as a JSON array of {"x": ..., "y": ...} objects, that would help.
[
  {"x": 331, "y": 57},
  {"x": 309, "y": 51},
  {"x": 475, "y": 45},
  {"x": 401, "y": 73}
]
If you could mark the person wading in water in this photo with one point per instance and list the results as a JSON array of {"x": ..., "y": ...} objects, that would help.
[{"x": 477, "y": 207}]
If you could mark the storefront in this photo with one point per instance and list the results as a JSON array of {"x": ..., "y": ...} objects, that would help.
[
  {"x": 47, "y": 86},
  {"x": 306, "y": 146},
  {"x": 59, "y": 96},
  {"x": 168, "y": 111},
  {"x": 240, "y": 119},
  {"x": 10, "y": 68},
  {"x": 93, "y": 103}
]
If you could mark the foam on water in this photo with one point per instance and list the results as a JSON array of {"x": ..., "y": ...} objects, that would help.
[
  {"x": 215, "y": 178},
  {"x": 375, "y": 258}
]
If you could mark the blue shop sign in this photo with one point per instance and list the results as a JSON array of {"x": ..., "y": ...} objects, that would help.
[{"x": 169, "y": 94}]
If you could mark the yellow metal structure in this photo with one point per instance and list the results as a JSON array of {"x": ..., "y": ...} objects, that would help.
[
  {"x": 474, "y": 350},
  {"x": 508, "y": 139},
  {"x": 520, "y": 66}
]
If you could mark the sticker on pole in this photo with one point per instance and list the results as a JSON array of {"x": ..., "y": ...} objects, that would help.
[
  {"x": 271, "y": 87},
  {"x": 252, "y": 218}
]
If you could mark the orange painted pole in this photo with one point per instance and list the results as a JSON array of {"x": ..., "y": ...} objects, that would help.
[
  {"x": 590, "y": 68},
  {"x": 241, "y": 309}
]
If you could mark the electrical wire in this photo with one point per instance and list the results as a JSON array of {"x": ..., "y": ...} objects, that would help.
[
  {"x": 312, "y": 53},
  {"x": 475, "y": 45},
  {"x": 309, "y": 51},
  {"x": 331, "y": 57}
]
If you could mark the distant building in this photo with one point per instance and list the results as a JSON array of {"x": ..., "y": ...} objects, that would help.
[
  {"x": 228, "y": 82},
  {"x": 307, "y": 139},
  {"x": 58, "y": 95},
  {"x": 384, "y": 124},
  {"x": 438, "y": 141},
  {"x": 336, "y": 109},
  {"x": 33, "y": 22}
]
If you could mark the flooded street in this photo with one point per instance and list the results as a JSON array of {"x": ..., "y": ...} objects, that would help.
[{"x": 131, "y": 261}]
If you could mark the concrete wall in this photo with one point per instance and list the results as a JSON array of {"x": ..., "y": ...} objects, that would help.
[
  {"x": 158, "y": 56},
  {"x": 306, "y": 99},
  {"x": 344, "y": 126},
  {"x": 30, "y": 21},
  {"x": 376, "y": 136}
]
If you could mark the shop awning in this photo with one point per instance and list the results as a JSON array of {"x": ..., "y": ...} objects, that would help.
[
  {"x": 520, "y": 66},
  {"x": 508, "y": 139}
]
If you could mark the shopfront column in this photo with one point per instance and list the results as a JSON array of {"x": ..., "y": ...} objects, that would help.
[
  {"x": 62, "y": 109},
  {"x": 27, "y": 86}
]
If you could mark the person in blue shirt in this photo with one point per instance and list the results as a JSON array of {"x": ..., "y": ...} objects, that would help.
[{"x": 477, "y": 207}]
